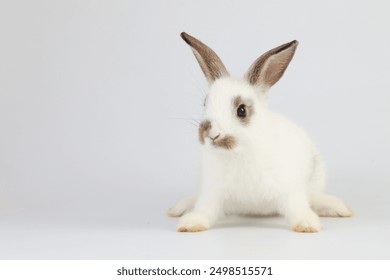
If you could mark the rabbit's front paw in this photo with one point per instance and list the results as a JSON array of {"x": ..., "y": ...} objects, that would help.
[
  {"x": 308, "y": 222},
  {"x": 193, "y": 222}
]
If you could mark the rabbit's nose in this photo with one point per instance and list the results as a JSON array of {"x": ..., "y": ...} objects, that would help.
[{"x": 215, "y": 137}]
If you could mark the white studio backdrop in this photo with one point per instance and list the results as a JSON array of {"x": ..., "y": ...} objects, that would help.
[{"x": 98, "y": 101}]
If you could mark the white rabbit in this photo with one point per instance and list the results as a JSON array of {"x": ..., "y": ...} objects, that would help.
[{"x": 254, "y": 161}]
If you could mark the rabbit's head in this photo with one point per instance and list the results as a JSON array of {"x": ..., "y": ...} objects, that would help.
[{"x": 234, "y": 106}]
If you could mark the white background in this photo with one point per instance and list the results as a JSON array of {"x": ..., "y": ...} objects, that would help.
[{"x": 96, "y": 142}]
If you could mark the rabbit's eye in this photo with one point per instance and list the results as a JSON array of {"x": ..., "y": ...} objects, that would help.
[{"x": 241, "y": 111}]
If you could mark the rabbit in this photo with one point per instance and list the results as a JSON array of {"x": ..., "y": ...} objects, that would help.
[{"x": 254, "y": 161}]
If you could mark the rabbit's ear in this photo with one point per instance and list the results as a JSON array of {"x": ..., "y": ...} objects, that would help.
[
  {"x": 209, "y": 61},
  {"x": 269, "y": 67}
]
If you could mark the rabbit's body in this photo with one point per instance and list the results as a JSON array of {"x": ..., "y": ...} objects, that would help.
[
  {"x": 274, "y": 156},
  {"x": 254, "y": 161}
]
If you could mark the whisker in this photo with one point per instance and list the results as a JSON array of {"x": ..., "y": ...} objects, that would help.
[
  {"x": 191, "y": 121},
  {"x": 195, "y": 120},
  {"x": 194, "y": 124}
]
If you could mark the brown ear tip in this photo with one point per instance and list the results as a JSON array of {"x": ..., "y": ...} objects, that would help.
[
  {"x": 185, "y": 37},
  {"x": 294, "y": 43}
]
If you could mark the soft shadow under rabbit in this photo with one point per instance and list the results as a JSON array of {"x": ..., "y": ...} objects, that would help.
[{"x": 254, "y": 161}]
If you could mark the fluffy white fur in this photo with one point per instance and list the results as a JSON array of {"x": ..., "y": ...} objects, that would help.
[{"x": 273, "y": 169}]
